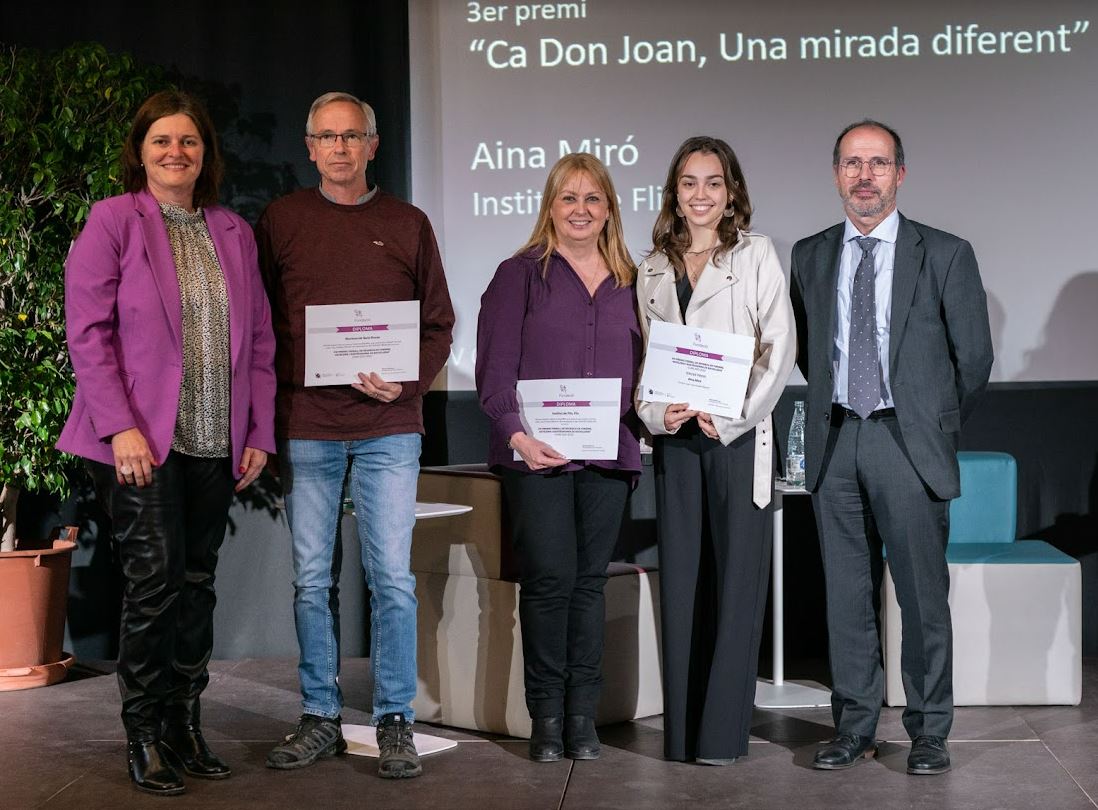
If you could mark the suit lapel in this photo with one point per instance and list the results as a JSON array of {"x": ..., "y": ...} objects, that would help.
[
  {"x": 227, "y": 248},
  {"x": 825, "y": 287},
  {"x": 158, "y": 251},
  {"x": 905, "y": 273}
]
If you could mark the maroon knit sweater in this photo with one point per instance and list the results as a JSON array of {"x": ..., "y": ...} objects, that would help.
[{"x": 314, "y": 251}]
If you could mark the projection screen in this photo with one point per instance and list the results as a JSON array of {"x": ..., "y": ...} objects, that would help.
[{"x": 997, "y": 104}]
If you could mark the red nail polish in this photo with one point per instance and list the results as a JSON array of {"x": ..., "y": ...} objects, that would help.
[{"x": 243, "y": 468}]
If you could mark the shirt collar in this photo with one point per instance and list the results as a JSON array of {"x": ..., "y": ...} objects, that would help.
[
  {"x": 369, "y": 195},
  {"x": 887, "y": 230}
]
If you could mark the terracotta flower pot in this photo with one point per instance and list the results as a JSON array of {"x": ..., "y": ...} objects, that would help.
[{"x": 34, "y": 590}]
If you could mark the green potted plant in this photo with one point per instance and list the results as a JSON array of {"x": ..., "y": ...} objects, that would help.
[{"x": 63, "y": 117}]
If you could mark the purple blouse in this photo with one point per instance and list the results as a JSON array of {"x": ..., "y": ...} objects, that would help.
[{"x": 538, "y": 328}]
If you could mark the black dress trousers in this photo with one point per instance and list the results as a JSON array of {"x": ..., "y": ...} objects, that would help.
[
  {"x": 714, "y": 549},
  {"x": 564, "y": 527}
]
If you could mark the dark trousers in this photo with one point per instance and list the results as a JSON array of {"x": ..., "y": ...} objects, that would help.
[
  {"x": 714, "y": 547},
  {"x": 564, "y": 528},
  {"x": 869, "y": 495},
  {"x": 168, "y": 535}
]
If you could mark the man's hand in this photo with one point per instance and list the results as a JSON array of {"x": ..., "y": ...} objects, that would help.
[{"x": 376, "y": 388}]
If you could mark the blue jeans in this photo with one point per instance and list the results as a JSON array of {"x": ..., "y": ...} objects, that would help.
[{"x": 384, "y": 473}]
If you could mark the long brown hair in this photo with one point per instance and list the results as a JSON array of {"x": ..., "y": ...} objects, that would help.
[
  {"x": 160, "y": 105},
  {"x": 670, "y": 234},
  {"x": 611, "y": 240}
]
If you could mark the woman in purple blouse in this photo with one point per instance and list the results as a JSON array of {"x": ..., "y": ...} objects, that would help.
[{"x": 562, "y": 308}]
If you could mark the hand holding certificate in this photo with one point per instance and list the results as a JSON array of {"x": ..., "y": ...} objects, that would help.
[
  {"x": 706, "y": 368},
  {"x": 578, "y": 418},
  {"x": 342, "y": 340}
]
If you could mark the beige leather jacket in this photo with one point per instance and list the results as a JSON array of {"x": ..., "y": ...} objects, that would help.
[{"x": 744, "y": 293}]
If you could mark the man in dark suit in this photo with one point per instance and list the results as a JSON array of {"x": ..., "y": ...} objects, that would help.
[{"x": 894, "y": 341}]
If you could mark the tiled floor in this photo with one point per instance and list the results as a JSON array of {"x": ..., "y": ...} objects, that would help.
[{"x": 62, "y": 746}]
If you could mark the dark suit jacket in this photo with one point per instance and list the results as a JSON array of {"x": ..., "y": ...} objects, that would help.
[{"x": 940, "y": 349}]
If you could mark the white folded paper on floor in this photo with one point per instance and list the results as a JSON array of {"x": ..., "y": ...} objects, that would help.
[{"x": 362, "y": 741}]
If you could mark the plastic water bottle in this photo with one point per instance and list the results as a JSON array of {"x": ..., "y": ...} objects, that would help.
[{"x": 794, "y": 451}]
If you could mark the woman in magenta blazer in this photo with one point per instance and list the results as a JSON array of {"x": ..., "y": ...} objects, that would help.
[{"x": 170, "y": 337}]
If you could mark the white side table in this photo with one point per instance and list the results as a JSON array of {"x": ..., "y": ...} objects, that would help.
[{"x": 780, "y": 693}]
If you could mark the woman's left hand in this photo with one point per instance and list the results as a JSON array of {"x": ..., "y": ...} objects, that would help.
[
  {"x": 251, "y": 465},
  {"x": 376, "y": 388},
  {"x": 705, "y": 421}
]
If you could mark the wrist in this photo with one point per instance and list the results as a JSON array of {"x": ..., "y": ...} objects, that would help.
[{"x": 517, "y": 435}]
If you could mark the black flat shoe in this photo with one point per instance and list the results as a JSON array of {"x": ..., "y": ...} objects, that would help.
[
  {"x": 844, "y": 751},
  {"x": 149, "y": 770},
  {"x": 546, "y": 743},
  {"x": 929, "y": 755},
  {"x": 185, "y": 747},
  {"x": 580, "y": 739}
]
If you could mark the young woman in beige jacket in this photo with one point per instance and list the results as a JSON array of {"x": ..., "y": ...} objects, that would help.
[{"x": 713, "y": 473}]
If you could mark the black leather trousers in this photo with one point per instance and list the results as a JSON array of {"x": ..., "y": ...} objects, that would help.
[{"x": 168, "y": 535}]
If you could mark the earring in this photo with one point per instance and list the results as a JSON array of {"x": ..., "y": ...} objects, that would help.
[
  {"x": 730, "y": 211},
  {"x": 678, "y": 211}
]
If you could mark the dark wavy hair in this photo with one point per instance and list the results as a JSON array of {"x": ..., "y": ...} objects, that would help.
[
  {"x": 670, "y": 234},
  {"x": 160, "y": 105}
]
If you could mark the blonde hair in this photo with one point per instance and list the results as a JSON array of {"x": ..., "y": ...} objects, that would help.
[{"x": 611, "y": 240}]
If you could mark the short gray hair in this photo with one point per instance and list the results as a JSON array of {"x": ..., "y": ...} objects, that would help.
[{"x": 328, "y": 98}]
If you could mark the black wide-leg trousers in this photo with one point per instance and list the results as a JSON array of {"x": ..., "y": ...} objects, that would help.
[
  {"x": 714, "y": 549},
  {"x": 167, "y": 535},
  {"x": 564, "y": 527}
]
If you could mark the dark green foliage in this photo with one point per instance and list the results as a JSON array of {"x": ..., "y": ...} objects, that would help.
[{"x": 63, "y": 118}]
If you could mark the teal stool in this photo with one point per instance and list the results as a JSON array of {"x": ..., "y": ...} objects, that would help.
[{"x": 1016, "y": 605}]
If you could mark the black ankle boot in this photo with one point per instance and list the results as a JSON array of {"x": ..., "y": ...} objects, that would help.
[
  {"x": 185, "y": 747},
  {"x": 580, "y": 739},
  {"x": 546, "y": 744},
  {"x": 149, "y": 771}
]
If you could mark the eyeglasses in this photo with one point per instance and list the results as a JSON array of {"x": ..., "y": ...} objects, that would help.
[
  {"x": 350, "y": 139},
  {"x": 852, "y": 167}
]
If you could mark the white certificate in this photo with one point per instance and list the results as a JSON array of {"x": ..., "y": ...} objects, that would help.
[
  {"x": 706, "y": 368},
  {"x": 578, "y": 418},
  {"x": 343, "y": 339}
]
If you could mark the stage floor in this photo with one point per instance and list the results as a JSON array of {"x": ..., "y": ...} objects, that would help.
[{"x": 62, "y": 746}]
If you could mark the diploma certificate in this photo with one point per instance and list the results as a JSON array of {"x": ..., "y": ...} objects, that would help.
[
  {"x": 343, "y": 339},
  {"x": 706, "y": 368},
  {"x": 579, "y": 418}
]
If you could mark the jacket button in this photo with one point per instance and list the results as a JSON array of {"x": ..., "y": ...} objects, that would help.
[{"x": 651, "y": 300}]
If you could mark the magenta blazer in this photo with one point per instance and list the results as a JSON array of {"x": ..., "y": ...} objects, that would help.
[{"x": 124, "y": 326}]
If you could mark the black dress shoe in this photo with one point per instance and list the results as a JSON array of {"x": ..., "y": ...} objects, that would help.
[
  {"x": 149, "y": 771},
  {"x": 186, "y": 748},
  {"x": 580, "y": 739},
  {"x": 844, "y": 751},
  {"x": 929, "y": 755},
  {"x": 546, "y": 742}
]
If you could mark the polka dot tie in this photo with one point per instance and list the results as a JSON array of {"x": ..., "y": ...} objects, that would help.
[{"x": 863, "y": 378}]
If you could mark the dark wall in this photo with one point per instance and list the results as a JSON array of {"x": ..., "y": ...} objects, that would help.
[{"x": 259, "y": 67}]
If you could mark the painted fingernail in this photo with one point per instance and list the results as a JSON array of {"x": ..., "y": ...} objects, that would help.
[{"x": 242, "y": 468}]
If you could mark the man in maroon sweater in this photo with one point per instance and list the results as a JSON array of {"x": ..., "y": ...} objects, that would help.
[{"x": 345, "y": 243}]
